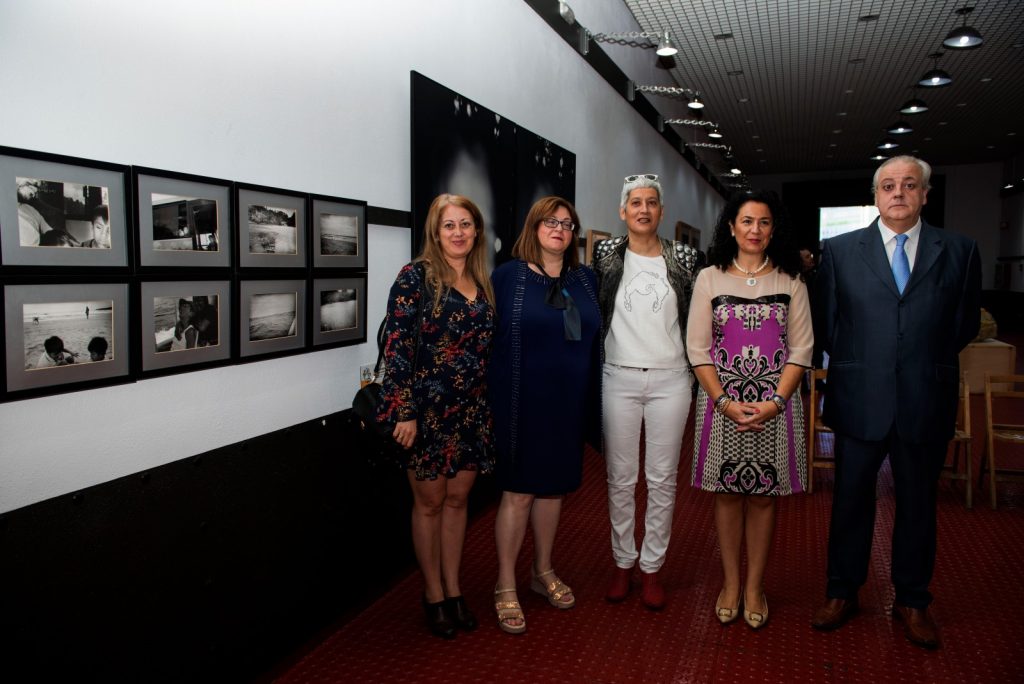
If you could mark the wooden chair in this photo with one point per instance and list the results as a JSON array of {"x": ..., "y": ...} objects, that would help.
[
  {"x": 962, "y": 438},
  {"x": 816, "y": 427},
  {"x": 1011, "y": 391}
]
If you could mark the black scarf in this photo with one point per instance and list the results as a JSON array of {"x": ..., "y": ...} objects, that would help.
[{"x": 558, "y": 297}]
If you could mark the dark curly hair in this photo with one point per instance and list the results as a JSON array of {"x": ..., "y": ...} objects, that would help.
[{"x": 782, "y": 248}]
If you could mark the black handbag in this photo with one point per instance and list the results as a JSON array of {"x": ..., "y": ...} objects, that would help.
[{"x": 368, "y": 398}]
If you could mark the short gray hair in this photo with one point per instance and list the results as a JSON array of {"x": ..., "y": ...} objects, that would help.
[
  {"x": 642, "y": 180},
  {"x": 926, "y": 170}
]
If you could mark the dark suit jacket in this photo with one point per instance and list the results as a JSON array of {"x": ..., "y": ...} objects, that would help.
[{"x": 893, "y": 357}]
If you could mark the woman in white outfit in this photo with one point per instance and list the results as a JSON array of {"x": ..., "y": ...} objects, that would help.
[{"x": 644, "y": 292}]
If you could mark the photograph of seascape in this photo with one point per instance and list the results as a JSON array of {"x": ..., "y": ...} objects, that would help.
[
  {"x": 339, "y": 235},
  {"x": 272, "y": 230},
  {"x": 339, "y": 310},
  {"x": 272, "y": 316}
]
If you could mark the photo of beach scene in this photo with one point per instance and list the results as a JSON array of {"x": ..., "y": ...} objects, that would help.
[
  {"x": 339, "y": 235},
  {"x": 64, "y": 333},
  {"x": 339, "y": 310},
  {"x": 272, "y": 316},
  {"x": 182, "y": 323},
  {"x": 272, "y": 230}
]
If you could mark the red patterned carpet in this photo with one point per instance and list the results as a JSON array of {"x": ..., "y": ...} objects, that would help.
[{"x": 979, "y": 589}]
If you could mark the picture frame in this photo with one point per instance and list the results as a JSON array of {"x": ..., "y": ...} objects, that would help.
[
  {"x": 60, "y": 211},
  {"x": 181, "y": 220},
  {"x": 687, "y": 234},
  {"x": 338, "y": 311},
  {"x": 74, "y": 315},
  {"x": 338, "y": 229},
  {"x": 271, "y": 227},
  {"x": 264, "y": 326},
  {"x": 170, "y": 341},
  {"x": 593, "y": 237}
]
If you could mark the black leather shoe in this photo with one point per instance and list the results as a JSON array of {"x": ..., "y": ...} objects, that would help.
[
  {"x": 460, "y": 614},
  {"x": 439, "y": 622},
  {"x": 834, "y": 614}
]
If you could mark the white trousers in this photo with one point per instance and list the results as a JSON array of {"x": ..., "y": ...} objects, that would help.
[{"x": 660, "y": 399}]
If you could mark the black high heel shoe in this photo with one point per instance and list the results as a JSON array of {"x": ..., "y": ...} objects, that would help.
[
  {"x": 460, "y": 614},
  {"x": 439, "y": 622}
]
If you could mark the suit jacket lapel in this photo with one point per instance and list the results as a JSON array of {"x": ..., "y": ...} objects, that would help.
[
  {"x": 873, "y": 252},
  {"x": 929, "y": 246}
]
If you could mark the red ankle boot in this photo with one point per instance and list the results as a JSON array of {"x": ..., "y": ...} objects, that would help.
[
  {"x": 652, "y": 594},
  {"x": 619, "y": 587}
]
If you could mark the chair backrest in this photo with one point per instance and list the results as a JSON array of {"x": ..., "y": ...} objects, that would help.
[
  {"x": 1002, "y": 386},
  {"x": 963, "y": 414}
]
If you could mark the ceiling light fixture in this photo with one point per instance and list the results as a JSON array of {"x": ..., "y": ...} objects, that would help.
[
  {"x": 899, "y": 128},
  {"x": 642, "y": 39},
  {"x": 913, "y": 107},
  {"x": 735, "y": 171},
  {"x": 695, "y": 102},
  {"x": 715, "y": 133},
  {"x": 964, "y": 37},
  {"x": 887, "y": 144},
  {"x": 878, "y": 157},
  {"x": 936, "y": 77}
]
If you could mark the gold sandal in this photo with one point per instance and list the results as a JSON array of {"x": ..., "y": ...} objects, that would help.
[
  {"x": 509, "y": 610},
  {"x": 554, "y": 589}
]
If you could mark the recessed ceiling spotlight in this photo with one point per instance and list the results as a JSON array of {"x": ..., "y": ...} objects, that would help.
[
  {"x": 761, "y": 149},
  {"x": 743, "y": 99},
  {"x": 961, "y": 104},
  {"x": 755, "y": 137},
  {"x": 1008, "y": 186},
  {"x": 723, "y": 36},
  {"x": 990, "y": 147},
  {"x": 1012, "y": 133},
  {"x": 856, "y": 60},
  {"x": 837, "y": 130},
  {"x": 734, "y": 72},
  {"x": 841, "y": 114},
  {"x": 833, "y": 145},
  {"x": 943, "y": 123},
  {"x": 849, "y": 91},
  {"x": 985, "y": 79},
  {"x": 868, "y": 17}
]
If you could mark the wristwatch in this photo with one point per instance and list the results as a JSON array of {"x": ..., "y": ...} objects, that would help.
[{"x": 780, "y": 403}]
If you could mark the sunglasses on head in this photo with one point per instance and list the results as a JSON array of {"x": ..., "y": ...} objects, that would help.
[{"x": 648, "y": 176}]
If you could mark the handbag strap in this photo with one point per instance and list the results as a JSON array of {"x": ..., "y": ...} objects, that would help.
[{"x": 382, "y": 338}]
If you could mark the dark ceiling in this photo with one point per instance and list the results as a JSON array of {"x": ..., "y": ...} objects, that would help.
[{"x": 804, "y": 86}]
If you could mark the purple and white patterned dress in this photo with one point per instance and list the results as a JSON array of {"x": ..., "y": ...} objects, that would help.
[{"x": 749, "y": 334}]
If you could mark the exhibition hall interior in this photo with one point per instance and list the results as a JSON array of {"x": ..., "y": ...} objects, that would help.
[{"x": 204, "y": 207}]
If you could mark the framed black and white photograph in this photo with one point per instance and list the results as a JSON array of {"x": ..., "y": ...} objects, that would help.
[
  {"x": 61, "y": 211},
  {"x": 339, "y": 310},
  {"x": 184, "y": 323},
  {"x": 271, "y": 316},
  {"x": 339, "y": 232},
  {"x": 182, "y": 219},
  {"x": 271, "y": 227},
  {"x": 65, "y": 334}
]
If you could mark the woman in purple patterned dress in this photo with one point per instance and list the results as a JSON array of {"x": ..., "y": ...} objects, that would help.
[{"x": 749, "y": 339}]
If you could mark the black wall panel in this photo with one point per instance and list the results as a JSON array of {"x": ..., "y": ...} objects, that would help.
[{"x": 212, "y": 568}]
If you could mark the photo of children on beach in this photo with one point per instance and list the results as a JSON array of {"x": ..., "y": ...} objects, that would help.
[
  {"x": 60, "y": 214},
  {"x": 65, "y": 333},
  {"x": 339, "y": 310},
  {"x": 272, "y": 230},
  {"x": 182, "y": 323},
  {"x": 339, "y": 235},
  {"x": 272, "y": 316},
  {"x": 184, "y": 223}
]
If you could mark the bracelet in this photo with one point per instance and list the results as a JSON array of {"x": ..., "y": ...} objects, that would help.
[
  {"x": 780, "y": 403},
  {"x": 722, "y": 403}
]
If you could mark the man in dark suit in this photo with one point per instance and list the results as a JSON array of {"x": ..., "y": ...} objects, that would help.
[{"x": 894, "y": 304}]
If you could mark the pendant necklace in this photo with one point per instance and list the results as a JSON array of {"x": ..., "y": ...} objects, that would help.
[{"x": 751, "y": 280}]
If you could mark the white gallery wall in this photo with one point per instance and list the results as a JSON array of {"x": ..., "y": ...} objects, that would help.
[{"x": 304, "y": 95}]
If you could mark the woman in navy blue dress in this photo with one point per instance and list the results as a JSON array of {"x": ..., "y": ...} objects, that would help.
[
  {"x": 440, "y": 409},
  {"x": 544, "y": 386}
]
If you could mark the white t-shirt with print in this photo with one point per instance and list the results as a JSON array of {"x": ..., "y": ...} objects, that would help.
[{"x": 645, "y": 326}]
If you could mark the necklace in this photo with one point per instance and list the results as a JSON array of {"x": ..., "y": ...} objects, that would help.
[{"x": 751, "y": 280}]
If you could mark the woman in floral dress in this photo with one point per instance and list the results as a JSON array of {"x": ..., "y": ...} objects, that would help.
[
  {"x": 444, "y": 299},
  {"x": 749, "y": 339}
]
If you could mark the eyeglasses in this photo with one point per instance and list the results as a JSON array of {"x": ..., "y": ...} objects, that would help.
[
  {"x": 465, "y": 225},
  {"x": 552, "y": 222},
  {"x": 648, "y": 176}
]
